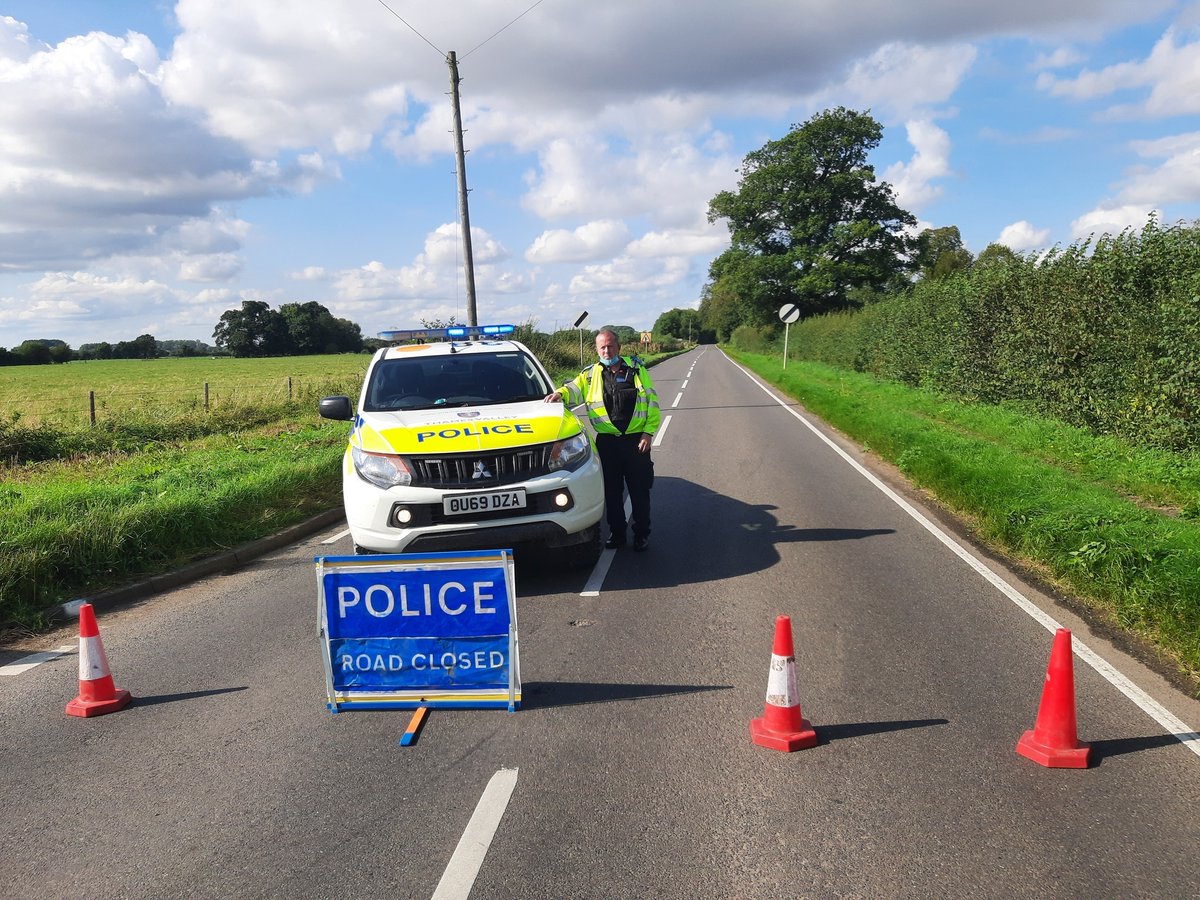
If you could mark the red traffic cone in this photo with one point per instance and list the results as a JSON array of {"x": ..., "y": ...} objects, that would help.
[
  {"x": 1053, "y": 741},
  {"x": 781, "y": 726},
  {"x": 97, "y": 693}
]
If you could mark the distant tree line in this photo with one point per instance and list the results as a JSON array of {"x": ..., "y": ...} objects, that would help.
[
  {"x": 295, "y": 329},
  {"x": 44, "y": 351}
]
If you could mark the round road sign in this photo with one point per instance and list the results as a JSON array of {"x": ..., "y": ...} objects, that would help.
[{"x": 789, "y": 313}]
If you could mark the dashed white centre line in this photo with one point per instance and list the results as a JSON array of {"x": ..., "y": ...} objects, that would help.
[
  {"x": 464, "y": 865},
  {"x": 659, "y": 436},
  {"x": 678, "y": 397}
]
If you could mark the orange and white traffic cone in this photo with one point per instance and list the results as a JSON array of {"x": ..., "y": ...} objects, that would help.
[
  {"x": 1053, "y": 742},
  {"x": 97, "y": 693},
  {"x": 781, "y": 726}
]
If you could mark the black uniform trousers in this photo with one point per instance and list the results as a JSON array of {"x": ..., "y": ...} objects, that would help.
[{"x": 625, "y": 468}]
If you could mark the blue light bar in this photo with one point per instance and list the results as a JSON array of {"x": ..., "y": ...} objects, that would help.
[{"x": 457, "y": 332}]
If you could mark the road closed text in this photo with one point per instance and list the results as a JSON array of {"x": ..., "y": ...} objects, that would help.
[{"x": 422, "y": 662}]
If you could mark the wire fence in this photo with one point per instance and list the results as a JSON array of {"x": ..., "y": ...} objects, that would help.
[{"x": 91, "y": 405}]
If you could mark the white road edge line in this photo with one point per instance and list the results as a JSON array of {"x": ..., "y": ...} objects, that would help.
[
  {"x": 459, "y": 875},
  {"x": 1180, "y": 730},
  {"x": 337, "y": 537},
  {"x": 25, "y": 663}
]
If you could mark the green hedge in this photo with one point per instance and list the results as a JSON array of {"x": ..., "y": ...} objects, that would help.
[{"x": 1103, "y": 336}]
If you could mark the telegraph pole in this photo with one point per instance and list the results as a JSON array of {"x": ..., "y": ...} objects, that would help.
[{"x": 463, "y": 213}]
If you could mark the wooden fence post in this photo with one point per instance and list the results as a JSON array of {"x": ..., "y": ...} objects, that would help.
[
  {"x": 289, "y": 389},
  {"x": 206, "y": 396},
  {"x": 92, "y": 407}
]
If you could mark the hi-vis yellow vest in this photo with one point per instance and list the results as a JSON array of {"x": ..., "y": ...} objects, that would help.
[{"x": 588, "y": 386}]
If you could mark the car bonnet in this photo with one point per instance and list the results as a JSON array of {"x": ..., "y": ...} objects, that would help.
[{"x": 464, "y": 430}]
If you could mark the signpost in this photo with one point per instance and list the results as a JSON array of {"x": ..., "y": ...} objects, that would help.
[
  {"x": 788, "y": 313},
  {"x": 410, "y": 630},
  {"x": 578, "y": 323}
]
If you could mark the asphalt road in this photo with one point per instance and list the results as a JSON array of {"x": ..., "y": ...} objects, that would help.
[{"x": 630, "y": 765}]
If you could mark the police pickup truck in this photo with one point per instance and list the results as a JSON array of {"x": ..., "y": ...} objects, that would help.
[{"x": 453, "y": 448}]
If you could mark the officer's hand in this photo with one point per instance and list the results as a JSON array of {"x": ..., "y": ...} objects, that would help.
[
  {"x": 644, "y": 444},
  {"x": 553, "y": 397}
]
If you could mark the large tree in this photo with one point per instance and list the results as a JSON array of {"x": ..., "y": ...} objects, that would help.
[
  {"x": 253, "y": 330},
  {"x": 721, "y": 309},
  {"x": 809, "y": 222},
  {"x": 312, "y": 328},
  {"x": 680, "y": 323},
  {"x": 996, "y": 254},
  {"x": 942, "y": 253}
]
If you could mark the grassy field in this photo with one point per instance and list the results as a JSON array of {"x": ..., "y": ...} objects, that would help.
[
  {"x": 1113, "y": 526},
  {"x": 168, "y": 387},
  {"x": 160, "y": 479}
]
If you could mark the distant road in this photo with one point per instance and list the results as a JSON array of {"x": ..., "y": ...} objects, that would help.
[{"x": 629, "y": 770}]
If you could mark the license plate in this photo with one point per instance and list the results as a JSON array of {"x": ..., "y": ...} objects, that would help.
[{"x": 465, "y": 504}]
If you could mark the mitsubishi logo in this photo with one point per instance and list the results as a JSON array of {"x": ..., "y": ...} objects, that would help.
[{"x": 481, "y": 471}]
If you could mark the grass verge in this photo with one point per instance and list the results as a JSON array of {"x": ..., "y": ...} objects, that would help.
[
  {"x": 71, "y": 527},
  {"x": 1107, "y": 522}
]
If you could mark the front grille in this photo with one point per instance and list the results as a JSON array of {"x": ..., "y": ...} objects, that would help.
[{"x": 480, "y": 470}]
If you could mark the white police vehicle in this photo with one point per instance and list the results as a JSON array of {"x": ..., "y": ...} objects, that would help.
[{"x": 453, "y": 447}]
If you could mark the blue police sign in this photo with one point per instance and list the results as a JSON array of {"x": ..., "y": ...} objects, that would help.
[{"x": 409, "y": 630}]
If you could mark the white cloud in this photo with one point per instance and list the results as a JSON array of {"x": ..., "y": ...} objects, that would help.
[
  {"x": 592, "y": 241},
  {"x": 930, "y": 161},
  {"x": 1022, "y": 236},
  {"x": 1111, "y": 220},
  {"x": 1171, "y": 72},
  {"x": 666, "y": 178},
  {"x": 1176, "y": 180},
  {"x": 443, "y": 247},
  {"x": 707, "y": 242},
  {"x": 629, "y": 274},
  {"x": 142, "y": 180},
  {"x": 211, "y": 267},
  {"x": 310, "y": 273},
  {"x": 905, "y": 77}
]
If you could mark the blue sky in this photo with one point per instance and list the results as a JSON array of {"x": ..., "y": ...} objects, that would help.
[{"x": 162, "y": 162}]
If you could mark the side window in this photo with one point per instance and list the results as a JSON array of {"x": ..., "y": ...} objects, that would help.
[{"x": 534, "y": 383}]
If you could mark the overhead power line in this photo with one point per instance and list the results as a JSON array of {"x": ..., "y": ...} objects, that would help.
[
  {"x": 414, "y": 30},
  {"x": 441, "y": 53},
  {"x": 505, "y": 28}
]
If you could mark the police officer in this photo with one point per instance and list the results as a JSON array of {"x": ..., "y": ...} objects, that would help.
[{"x": 622, "y": 407}]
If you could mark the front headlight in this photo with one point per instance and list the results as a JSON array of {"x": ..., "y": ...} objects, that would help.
[
  {"x": 383, "y": 470},
  {"x": 571, "y": 453}
]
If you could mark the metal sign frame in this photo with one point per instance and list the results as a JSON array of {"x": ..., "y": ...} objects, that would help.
[{"x": 366, "y": 634}]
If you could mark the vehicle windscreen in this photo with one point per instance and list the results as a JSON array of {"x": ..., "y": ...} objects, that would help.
[{"x": 463, "y": 379}]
